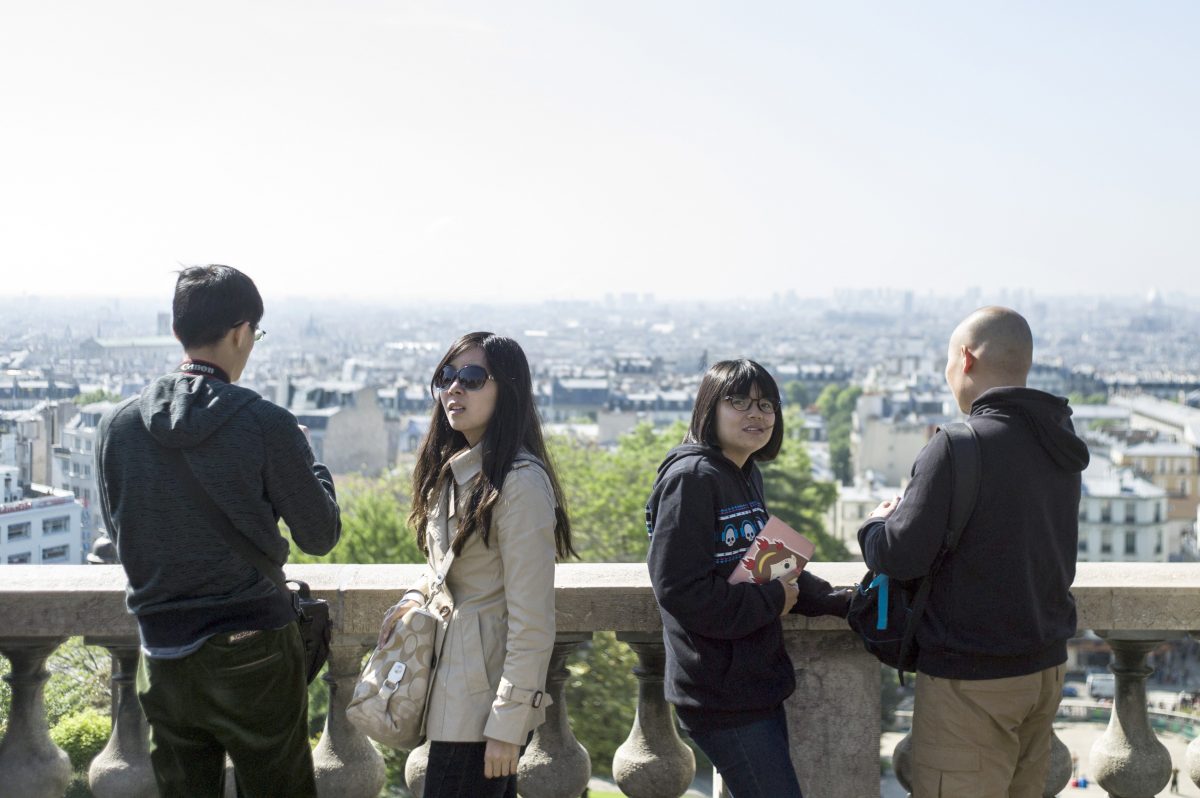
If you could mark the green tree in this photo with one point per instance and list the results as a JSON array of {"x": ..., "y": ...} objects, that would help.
[
  {"x": 606, "y": 490},
  {"x": 836, "y": 405},
  {"x": 1088, "y": 399},
  {"x": 795, "y": 394},
  {"x": 98, "y": 395},
  {"x": 796, "y": 498},
  {"x": 82, "y": 735},
  {"x": 602, "y": 697},
  {"x": 374, "y": 523}
]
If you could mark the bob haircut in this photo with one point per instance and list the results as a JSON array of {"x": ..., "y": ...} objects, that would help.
[
  {"x": 729, "y": 378},
  {"x": 515, "y": 425}
]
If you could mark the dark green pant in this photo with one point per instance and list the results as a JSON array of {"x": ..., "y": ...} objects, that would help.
[{"x": 249, "y": 699}]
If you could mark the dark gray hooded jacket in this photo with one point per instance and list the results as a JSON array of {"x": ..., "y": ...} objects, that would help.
[{"x": 185, "y": 582}]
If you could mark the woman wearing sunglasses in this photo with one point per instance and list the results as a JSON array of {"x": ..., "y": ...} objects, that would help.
[
  {"x": 484, "y": 488},
  {"x": 727, "y": 672}
]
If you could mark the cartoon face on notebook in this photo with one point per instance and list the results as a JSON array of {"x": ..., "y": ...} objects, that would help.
[{"x": 771, "y": 560}]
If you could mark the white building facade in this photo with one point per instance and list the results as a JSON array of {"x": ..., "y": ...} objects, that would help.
[
  {"x": 42, "y": 530},
  {"x": 1123, "y": 518}
]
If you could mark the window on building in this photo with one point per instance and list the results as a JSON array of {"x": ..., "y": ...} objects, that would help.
[
  {"x": 1157, "y": 512},
  {"x": 1183, "y": 487},
  {"x": 54, "y": 526},
  {"x": 1083, "y": 545},
  {"x": 56, "y": 554},
  {"x": 1106, "y": 512},
  {"x": 1130, "y": 513},
  {"x": 1131, "y": 542},
  {"x": 19, "y": 531},
  {"x": 87, "y": 470},
  {"x": 1158, "y": 542},
  {"x": 19, "y": 559},
  {"x": 1106, "y": 542},
  {"x": 1082, "y": 512}
]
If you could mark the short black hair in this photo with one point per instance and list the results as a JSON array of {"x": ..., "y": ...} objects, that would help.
[
  {"x": 730, "y": 378},
  {"x": 210, "y": 301}
]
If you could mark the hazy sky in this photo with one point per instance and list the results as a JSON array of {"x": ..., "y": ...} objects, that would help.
[{"x": 563, "y": 149}]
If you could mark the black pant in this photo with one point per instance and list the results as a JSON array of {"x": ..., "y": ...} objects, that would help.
[
  {"x": 247, "y": 698},
  {"x": 455, "y": 770}
]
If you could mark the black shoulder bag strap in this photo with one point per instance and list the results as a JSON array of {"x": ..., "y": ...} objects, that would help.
[
  {"x": 238, "y": 542},
  {"x": 965, "y": 469}
]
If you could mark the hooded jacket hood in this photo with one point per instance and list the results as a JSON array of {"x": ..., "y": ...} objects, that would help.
[
  {"x": 686, "y": 451},
  {"x": 1049, "y": 418},
  {"x": 180, "y": 411}
]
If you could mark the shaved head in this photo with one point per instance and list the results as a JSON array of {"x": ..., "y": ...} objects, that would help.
[
  {"x": 1000, "y": 339},
  {"x": 991, "y": 348}
]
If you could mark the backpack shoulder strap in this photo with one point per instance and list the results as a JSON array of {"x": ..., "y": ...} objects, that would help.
[{"x": 963, "y": 446}]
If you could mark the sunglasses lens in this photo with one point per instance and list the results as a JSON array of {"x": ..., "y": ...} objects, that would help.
[
  {"x": 444, "y": 378},
  {"x": 472, "y": 377}
]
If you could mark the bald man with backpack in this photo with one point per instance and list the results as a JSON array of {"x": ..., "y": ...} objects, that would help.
[{"x": 992, "y": 638}]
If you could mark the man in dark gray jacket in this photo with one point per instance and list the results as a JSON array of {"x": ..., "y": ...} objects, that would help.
[{"x": 223, "y": 664}]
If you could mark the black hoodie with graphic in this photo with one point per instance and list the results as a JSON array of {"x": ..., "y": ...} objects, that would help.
[
  {"x": 1000, "y": 605},
  {"x": 726, "y": 664}
]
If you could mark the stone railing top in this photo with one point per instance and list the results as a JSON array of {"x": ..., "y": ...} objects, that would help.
[{"x": 57, "y": 600}]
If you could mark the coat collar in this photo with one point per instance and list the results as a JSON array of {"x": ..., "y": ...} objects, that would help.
[{"x": 467, "y": 464}]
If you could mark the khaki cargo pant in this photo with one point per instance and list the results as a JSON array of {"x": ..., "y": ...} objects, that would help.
[{"x": 986, "y": 738}]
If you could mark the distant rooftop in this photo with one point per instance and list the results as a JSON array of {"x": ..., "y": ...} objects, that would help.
[
  {"x": 1102, "y": 480},
  {"x": 1160, "y": 449},
  {"x": 1186, "y": 419},
  {"x": 164, "y": 341}
]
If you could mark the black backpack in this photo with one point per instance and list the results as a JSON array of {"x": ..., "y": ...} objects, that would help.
[{"x": 883, "y": 611}]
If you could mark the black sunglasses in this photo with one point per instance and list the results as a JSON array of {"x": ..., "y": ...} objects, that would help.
[{"x": 472, "y": 378}]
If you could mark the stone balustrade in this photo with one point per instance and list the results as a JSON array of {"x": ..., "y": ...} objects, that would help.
[{"x": 833, "y": 716}]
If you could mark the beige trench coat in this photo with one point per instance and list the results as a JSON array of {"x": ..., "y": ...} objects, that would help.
[{"x": 491, "y": 677}]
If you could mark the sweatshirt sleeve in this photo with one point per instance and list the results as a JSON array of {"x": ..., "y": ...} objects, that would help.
[
  {"x": 818, "y": 597},
  {"x": 682, "y": 547},
  {"x": 523, "y": 522},
  {"x": 300, "y": 489},
  {"x": 905, "y": 545}
]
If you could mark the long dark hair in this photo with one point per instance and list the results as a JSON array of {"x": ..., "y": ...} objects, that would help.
[
  {"x": 726, "y": 378},
  {"x": 514, "y": 425}
]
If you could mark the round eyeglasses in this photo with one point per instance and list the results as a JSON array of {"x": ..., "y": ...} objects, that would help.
[
  {"x": 742, "y": 403},
  {"x": 472, "y": 377}
]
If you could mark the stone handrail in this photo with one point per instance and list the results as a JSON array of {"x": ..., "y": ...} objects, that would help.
[{"x": 833, "y": 717}]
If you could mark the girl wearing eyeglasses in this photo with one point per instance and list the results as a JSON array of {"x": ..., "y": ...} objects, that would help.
[
  {"x": 484, "y": 487},
  {"x": 727, "y": 672}
]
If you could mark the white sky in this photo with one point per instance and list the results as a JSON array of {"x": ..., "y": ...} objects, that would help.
[{"x": 409, "y": 150}]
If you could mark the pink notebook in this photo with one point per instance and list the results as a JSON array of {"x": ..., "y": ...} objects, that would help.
[{"x": 778, "y": 551}]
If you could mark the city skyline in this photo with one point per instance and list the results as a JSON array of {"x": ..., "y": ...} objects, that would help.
[{"x": 382, "y": 151}]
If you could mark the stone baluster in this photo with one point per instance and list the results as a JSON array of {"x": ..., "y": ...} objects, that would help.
[
  {"x": 554, "y": 765},
  {"x": 414, "y": 768},
  {"x": 833, "y": 716},
  {"x": 902, "y": 762},
  {"x": 1192, "y": 759},
  {"x": 346, "y": 764},
  {"x": 122, "y": 769},
  {"x": 1059, "y": 774},
  {"x": 652, "y": 762},
  {"x": 31, "y": 765},
  {"x": 1057, "y": 777},
  {"x": 1128, "y": 761}
]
